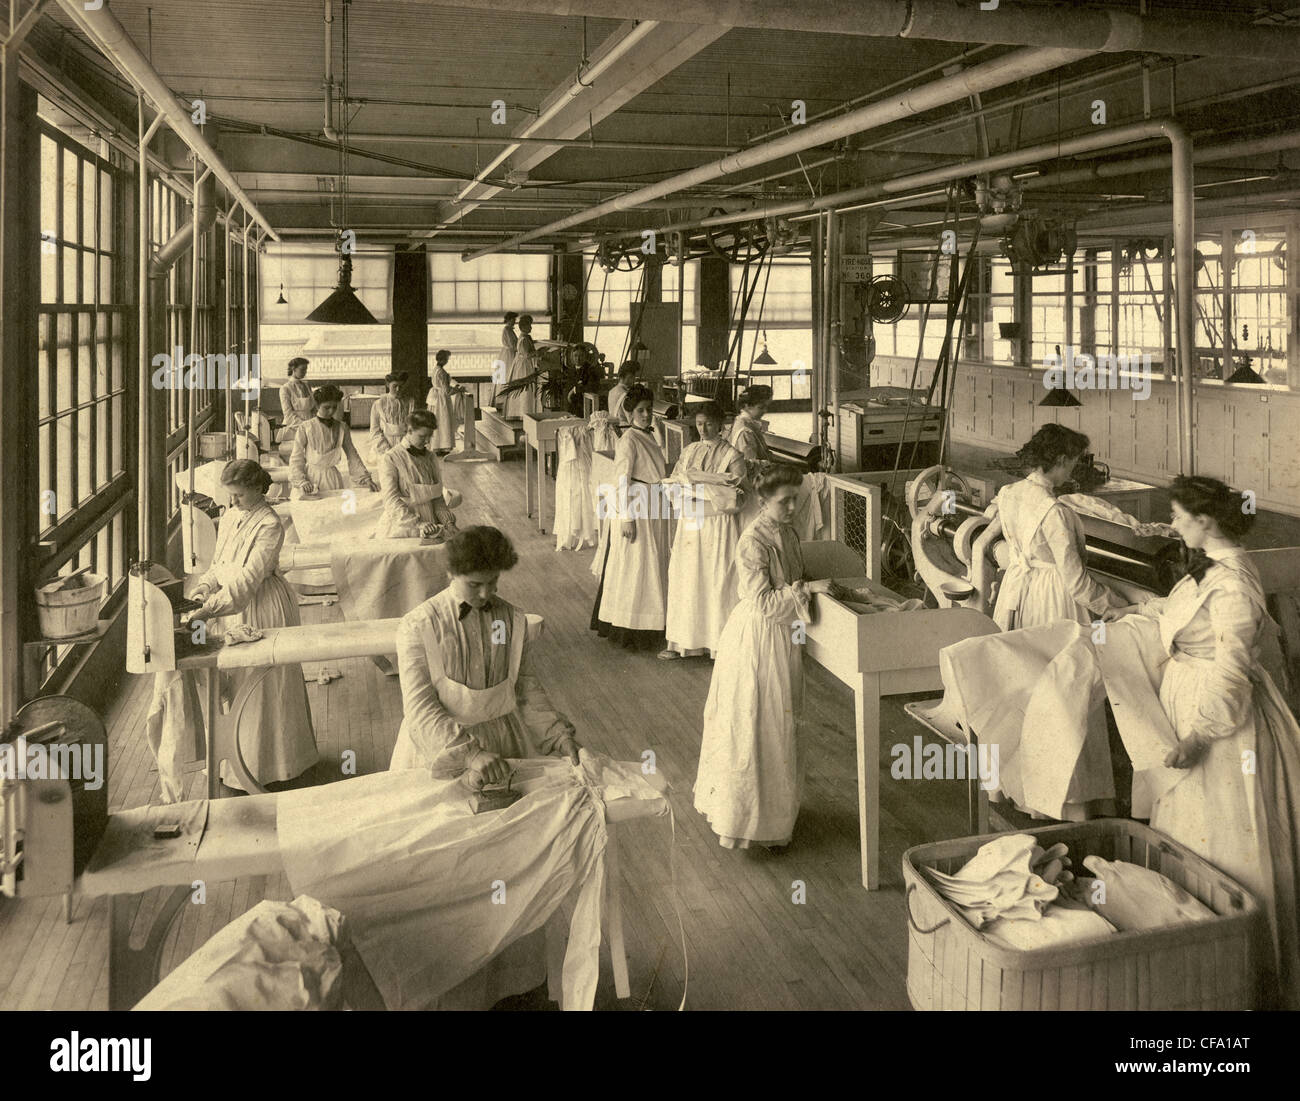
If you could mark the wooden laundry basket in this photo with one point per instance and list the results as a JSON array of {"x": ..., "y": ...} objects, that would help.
[{"x": 1206, "y": 965}]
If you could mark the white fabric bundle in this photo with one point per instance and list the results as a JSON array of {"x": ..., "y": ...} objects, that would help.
[
  {"x": 998, "y": 882},
  {"x": 277, "y": 956},
  {"x": 1139, "y": 898},
  {"x": 575, "y": 523}
]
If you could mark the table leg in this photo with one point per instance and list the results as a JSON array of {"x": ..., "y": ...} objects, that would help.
[
  {"x": 212, "y": 718},
  {"x": 614, "y": 917},
  {"x": 866, "y": 702},
  {"x": 528, "y": 477},
  {"x": 541, "y": 485}
]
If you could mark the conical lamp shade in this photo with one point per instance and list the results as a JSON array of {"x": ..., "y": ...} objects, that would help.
[
  {"x": 1245, "y": 374},
  {"x": 282, "y": 301},
  {"x": 343, "y": 307},
  {"x": 764, "y": 358},
  {"x": 1060, "y": 398}
]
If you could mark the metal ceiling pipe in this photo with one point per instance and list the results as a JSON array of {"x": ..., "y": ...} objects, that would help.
[
  {"x": 1098, "y": 30},
  {"x": 568, "y": 143},
  {"x": 980, "y": 78},
  {"x": 616, "y": 53},
  {"x": 1107, "y": 170},
  {"x": 328, "y": 129},
  {"x": 100, "y": 25},
  {"x": 205, "y": 213}
]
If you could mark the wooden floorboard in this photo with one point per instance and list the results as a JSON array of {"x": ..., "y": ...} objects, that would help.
[{"x": 750, "y": 945}]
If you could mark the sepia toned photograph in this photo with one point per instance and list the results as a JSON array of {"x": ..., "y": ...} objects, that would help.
[{"x": 650, "y": 505}]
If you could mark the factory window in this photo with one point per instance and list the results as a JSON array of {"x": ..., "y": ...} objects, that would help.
[
  {"x": 82, "y": 390},
  {"x": 309, "y": 273},
  {"x": 1209, "y": 307},
  {"x": 486, "y": 288},
  {"x": 1047, "y": 315},
  {"x": 611, "y": 299},
  {"x": 1000, "y": 312},
  {"x": 1259, "y": 303},
  {"x": 1141, "y": 301}
]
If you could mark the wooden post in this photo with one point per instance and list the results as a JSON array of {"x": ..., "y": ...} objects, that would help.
[
  {"x": 410, "y": 328},
  {"x": 19, "y": 291}
]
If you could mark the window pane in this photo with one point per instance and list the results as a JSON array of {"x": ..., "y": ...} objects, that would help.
[
  {"x": 119, "y": 428},
  {"x": 84, "y": 456},
  {"x": 71, "y": 195},
  {"x": 65, "y": 452},
  {"x": 71, "y": 282},
  {"x": 105, "y": 210},
  {"x": 101, "y": 445},
  {"x": 49, "y": 186},
  {"x": 43, "y": 479}
]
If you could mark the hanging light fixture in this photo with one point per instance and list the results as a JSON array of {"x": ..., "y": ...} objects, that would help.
[
  {"x": 1058, "y": 397},
  {"x": 765, "y": 357},
  {"x": 281, "y": 301},
  {"x": 343, "y": 307}
]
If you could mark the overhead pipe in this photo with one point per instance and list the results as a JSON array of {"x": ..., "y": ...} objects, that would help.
[
  {"x": 577, "y": 143},
  {"x": 205, "y": 214},
  {"x": 109, "y": 36},
  {"x": 328, "y": 129},
  {"x": 1097, "y": 30},
  {"x": 980, "y": 78},
  {"x": 616, "y": 53},
  {"x": 143, "y": 427}
]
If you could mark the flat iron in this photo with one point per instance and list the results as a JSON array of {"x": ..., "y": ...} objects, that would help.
[{"x": 494, "y": 796}]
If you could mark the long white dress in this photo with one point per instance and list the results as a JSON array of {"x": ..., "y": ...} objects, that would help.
[
  {"x": 633, "y": 592},
  {"x": 509, "y": 346},
  {"x": 702, "y": 569},
  {"x": 750, "y": 778},
  {"x": 296, "y": 406},
  {"x": 443, "y": 406},
  {"x": 409, "y": 485},
  {"x": 523, "y": 365},
  {"x": 318, "y": 448},
  {"x": 1236, "y": 807},
  {"x": 387, "y": 423},
  {"x": 1046, "y": 580},
  {"x": 276, "y": 733}
]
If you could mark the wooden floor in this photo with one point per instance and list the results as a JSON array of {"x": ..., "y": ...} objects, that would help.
[{"x": 750, "y": 945}]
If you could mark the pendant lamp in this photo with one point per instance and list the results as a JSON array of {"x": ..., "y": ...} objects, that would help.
[{"x": 765, "y": 357}]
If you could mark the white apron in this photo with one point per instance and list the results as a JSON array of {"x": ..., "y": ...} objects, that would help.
[
  {"x": 473, "y": 707},
  {"x": 1021, "y": 576},
  {"x": 393, "y": 430},
  {"x": 322, "y": 470},
  {"x": 297, "y": 408}
]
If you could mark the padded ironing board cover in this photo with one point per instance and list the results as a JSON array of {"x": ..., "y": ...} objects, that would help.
[
  {"x": 432, "y": 892},
  {"x": 385, "y": 580}
]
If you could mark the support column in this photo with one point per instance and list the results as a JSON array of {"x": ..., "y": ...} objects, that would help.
[
  {"x": 714, "y": 313},
  {"x": 410, "y": 347},
  {"x": 20, "y": 283},
  {"x": 570, "y": 273}
]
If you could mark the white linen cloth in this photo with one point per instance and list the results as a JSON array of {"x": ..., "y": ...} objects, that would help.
[
  {"x": 174, "y": 729},
  {"x": 276, "y": 956},
  {"x": 433, "y": 893},
  {"x": 575, "y": 520},
  {"x": 702, "y": 568}
]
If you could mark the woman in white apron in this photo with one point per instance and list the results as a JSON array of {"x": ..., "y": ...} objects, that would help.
[
  {"x": 628, "y": 376},
  {"x": 505, "y": 357},
  {"x": 442, "y": 403},
  {"x": 296, "y": 401},
  {"x": 1047, "y": 580},
  {"x": 470, "y": 703},
  {"x": 318, "y": 448},
  {"x": 524, "y": 364},
  {"x": 632, "y": 598},
  {"x": 388, "y": 417},
  {"x": 411, "y": 483},
  {"x": 244, "y": 586},
  {"x": 1238, "y": 805},
  {"x": 702, "y": 569},
  {"x": 746, "y": 436},
  {"x": 750, "y": 777}
]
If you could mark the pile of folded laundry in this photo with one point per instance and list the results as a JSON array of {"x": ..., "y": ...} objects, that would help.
[{"x": 1023, "y": 896}]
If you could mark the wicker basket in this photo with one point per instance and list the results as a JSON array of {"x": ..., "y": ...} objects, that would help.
[{"x": 1206, "y": 965}]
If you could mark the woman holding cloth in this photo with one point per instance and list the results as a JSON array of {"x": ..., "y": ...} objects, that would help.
[
  {"x": 632, "y": 598},
  {"x": 1238, "y": 805},
  {"x": 244, "y": 586},
  {"x": 1047, "y": 580},
  {"x": 702, "y": 569},
  {"x": 318, "y": 447},
  {"x": 750, "y": 778},
  {"x": 411, "y": 483},
  {"x": 388, "y": 416}
]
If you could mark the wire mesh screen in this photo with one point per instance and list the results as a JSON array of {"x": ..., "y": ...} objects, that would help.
[{"x": 851, "y": 525}]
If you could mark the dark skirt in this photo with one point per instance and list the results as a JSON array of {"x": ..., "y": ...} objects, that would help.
[{"x": 626, "y": 637}]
